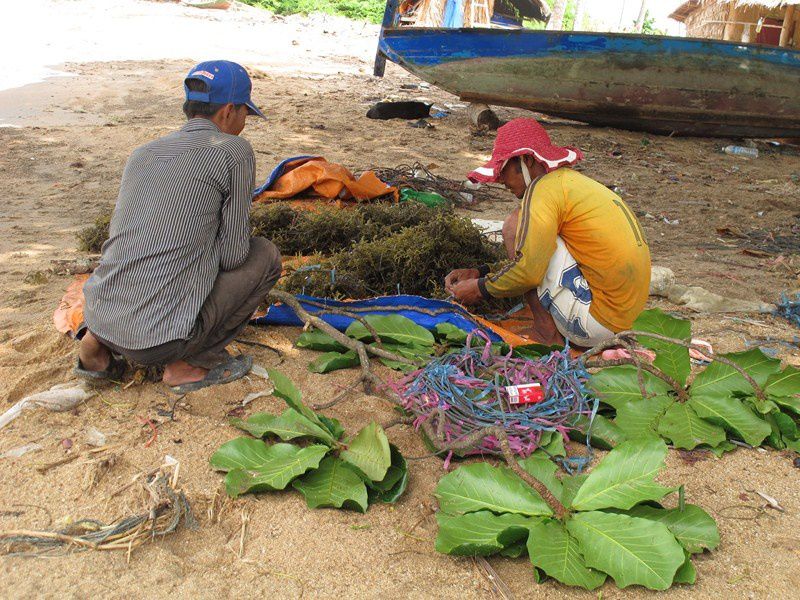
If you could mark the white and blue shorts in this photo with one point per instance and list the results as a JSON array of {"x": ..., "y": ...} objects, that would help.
[{"x": 565, "y": 293}]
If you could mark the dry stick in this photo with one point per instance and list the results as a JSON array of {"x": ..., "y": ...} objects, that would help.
[
  {"x": 468, "y": 442},
  {"x": 67, "y": 459},
  {"x": 619, "y": 362},
  {"x": 639, "y": 374},
  {"x": 367, "y": 377},
  {"x": 339, "y": 397},
  {"x": 702, "y": 350}
]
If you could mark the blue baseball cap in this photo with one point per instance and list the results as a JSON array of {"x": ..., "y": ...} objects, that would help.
[{"x": 226, "y": 81}]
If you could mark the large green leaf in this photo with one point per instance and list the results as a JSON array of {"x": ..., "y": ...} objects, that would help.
[
  {"x": 334, "y": 361},
  {"x": 733, "y": 415},
  {"x": 625, "y": 477},
  {"x": 571, "y": 485},
  {"x": 685, "y": 429},
  {"x": 670, "y": 358},
  {"x": 785, "y": 383},
  {"x": 483, "y": 487},
  {"x": 254, "y": 466},
  {"x": 333, "y": 484},
  {"x": 640, "y": 418},
  {"x": 333, "y": 426},
  {"x": 315, "y": 339},
  {"x": 719, "y": 380},
  {"x": 602, "y": 433},
  {"x": 480, "y": 533},
  {"x": 392, "y": 328},
  {"x": 617, "y": 386},
  {"x": 558, "y": 554},
  {"x": 285, "y": 389},
  {"x": 633, "y": 551},
  {"x": 369, "y": 451},
  {"x": 288, "y": 425},
  {"x": 544, "y": 470},
  {"x": 693, "y": 527},
  {"x": 392, "y": 486},
  {"x": 686, "y": 573},
  {"x": 449, "y": 333},
  {"x": 784, "y": 389}
]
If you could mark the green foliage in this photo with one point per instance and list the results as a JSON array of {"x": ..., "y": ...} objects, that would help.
[
  {"x": 721, "y": 401},
  {"x": 625, "y": 477},
  {"x": 670, "y": 358},
  {"x": 360, "y": 10},
  {"x": 414, "y": 259},
  {"x": 363, "y": 470},
  {"x": 392, "y": 328},
  {"x": 398, "y": 334},
  {"x": 612, "y": 527}
]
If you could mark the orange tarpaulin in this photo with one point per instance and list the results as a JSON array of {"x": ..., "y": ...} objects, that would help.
[
  {"x": 326, "y": 180},
  {"x": 69, "y": 314}
]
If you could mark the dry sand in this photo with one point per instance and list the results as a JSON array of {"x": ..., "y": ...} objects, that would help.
[{"x": 62, "y": 164}]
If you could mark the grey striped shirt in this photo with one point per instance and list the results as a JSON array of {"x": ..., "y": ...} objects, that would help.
[{"x": 182, "y": 216}]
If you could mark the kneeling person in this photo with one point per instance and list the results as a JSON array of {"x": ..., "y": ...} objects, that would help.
[
  {"x": 179, "y": 276},
  {"x": 578, "y": 253}
]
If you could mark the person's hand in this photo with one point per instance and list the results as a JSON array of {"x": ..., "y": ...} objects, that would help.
[
  {"x": 467, "y": 292},
  {"x": 459, "y": 275}
]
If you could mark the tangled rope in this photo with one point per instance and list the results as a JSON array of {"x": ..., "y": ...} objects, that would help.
[
  {"x": 463, "y": 392},
  {"x": 167, "y": 508}
]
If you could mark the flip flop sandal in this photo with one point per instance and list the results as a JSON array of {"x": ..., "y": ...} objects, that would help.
[
  {"x": 236, "y": 367},
  {"x": 114, "y": 371}
]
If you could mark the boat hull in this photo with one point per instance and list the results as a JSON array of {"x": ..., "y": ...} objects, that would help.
[{"x": 646, "y": 83}]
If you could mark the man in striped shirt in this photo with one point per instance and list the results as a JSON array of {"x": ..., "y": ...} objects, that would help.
[{"x": 179, "y": 276}]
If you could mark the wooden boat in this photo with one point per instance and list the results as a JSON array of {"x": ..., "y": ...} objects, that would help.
[{"x": 658, "y": 84}]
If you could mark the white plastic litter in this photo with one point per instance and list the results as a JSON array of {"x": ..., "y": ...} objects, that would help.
[
  {"x": 254, "y": 396},
  {"x": 59, "y": 398},
  {"x": 260, "y": 371},
  {"x": 21, "y": 451}
]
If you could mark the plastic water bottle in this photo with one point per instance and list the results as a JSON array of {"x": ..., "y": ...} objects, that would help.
[{"x": 741, "y": 151}]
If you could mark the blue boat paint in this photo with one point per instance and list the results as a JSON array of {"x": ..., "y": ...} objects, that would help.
[{"x": 415, "y": 45}]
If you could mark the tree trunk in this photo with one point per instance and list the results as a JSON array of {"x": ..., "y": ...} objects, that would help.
[
  {"x": 580, "y": 15},
  {"x": 556, "y": 22},
  {"x": 640, "y": 19}
]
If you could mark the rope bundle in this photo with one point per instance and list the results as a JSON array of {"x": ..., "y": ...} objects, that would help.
[{"x": 464, "y": 391}]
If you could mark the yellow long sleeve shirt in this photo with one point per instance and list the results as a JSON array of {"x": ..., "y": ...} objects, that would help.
[{"x": 601, "y": 233}]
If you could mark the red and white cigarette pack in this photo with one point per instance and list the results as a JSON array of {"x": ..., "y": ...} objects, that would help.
[{"x": 526, "y": 393}]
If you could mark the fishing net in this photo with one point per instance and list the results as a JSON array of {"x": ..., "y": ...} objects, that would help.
[
  {"x": 465, "y": 391},
  {"x": 419, "y": 178}
]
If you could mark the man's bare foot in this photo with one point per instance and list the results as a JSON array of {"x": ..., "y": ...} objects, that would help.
[
  {"x": 180, "y": 372},
  {"x": 94, "y": 355}
]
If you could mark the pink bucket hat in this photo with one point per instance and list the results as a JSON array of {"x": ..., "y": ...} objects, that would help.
[{"x": 520, "y": 137}]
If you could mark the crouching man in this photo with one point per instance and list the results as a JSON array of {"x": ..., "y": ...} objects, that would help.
[
  {"x": 578, "y": 253},
  {"x": 180, "y": 276}
]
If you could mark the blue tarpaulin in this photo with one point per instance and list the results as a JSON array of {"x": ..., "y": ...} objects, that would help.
[{"x": 423, "y": 311}]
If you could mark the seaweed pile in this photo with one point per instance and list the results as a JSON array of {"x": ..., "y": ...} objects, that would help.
[
  {"x": 368, "y": 250},
  {"x": 413, "y": 261}
]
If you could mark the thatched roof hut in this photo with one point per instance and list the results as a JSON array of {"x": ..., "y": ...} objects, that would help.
[{"x": 771, "y": 22}]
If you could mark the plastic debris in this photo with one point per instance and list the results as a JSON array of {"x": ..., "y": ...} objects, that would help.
[
  {"x": 21, "y": 451},
  {"x": 59, "y": 398},
  {"x": 789, "y": 308},
  {"x": 741, "y": 151}
]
